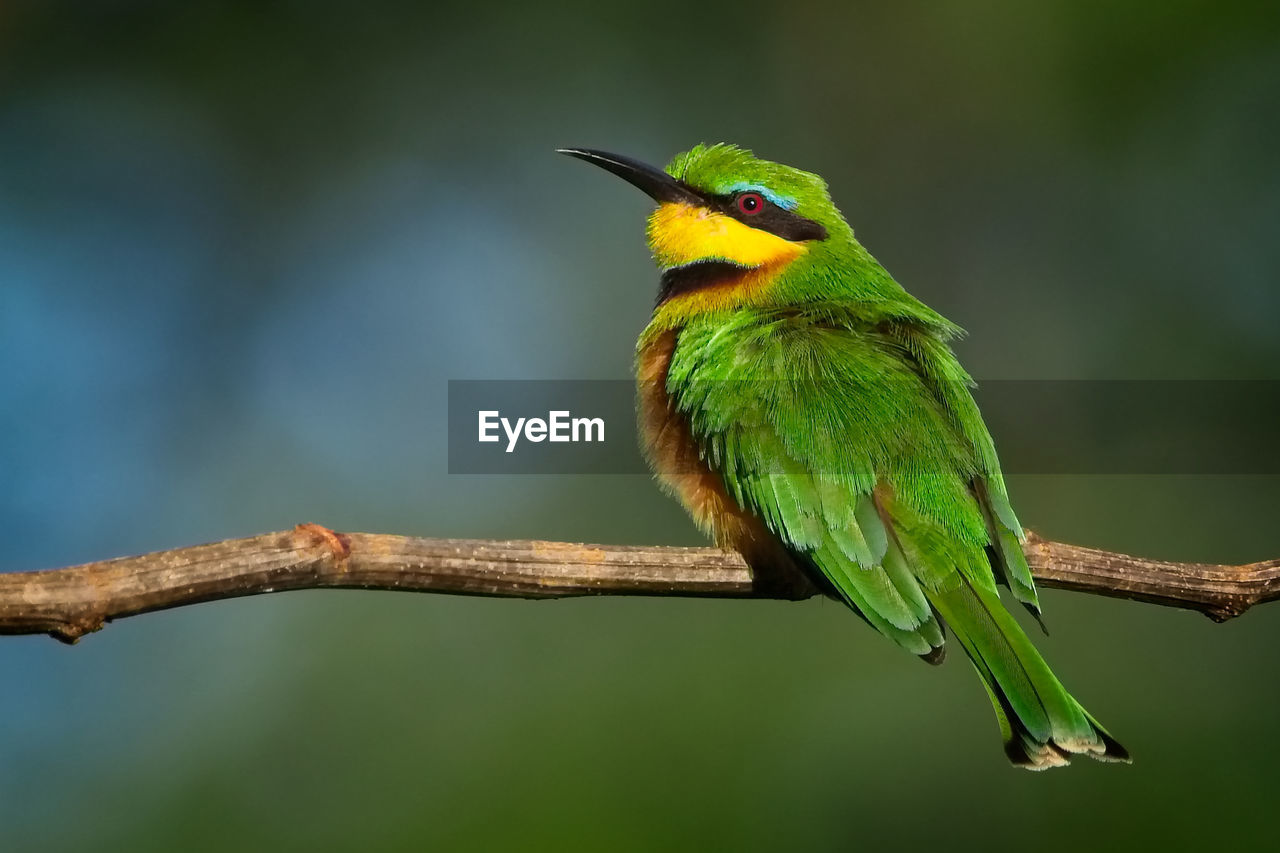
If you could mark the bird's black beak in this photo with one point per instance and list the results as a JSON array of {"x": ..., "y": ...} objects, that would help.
[{"x": 656, "y": 183}]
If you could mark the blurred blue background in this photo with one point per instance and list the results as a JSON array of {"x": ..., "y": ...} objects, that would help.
[{"x": 245, "y": 245}]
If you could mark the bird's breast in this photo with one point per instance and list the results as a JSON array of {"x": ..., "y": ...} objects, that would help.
[{"x": 672, "y": 453}]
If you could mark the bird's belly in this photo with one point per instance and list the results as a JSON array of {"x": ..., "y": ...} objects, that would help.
[{"x": 673, "y": 455}]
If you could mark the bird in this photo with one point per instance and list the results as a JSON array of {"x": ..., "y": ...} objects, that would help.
[{"x": 811, "y": 414}]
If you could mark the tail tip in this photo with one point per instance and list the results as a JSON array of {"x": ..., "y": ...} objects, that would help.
[{"x": 1030, "y": 754}]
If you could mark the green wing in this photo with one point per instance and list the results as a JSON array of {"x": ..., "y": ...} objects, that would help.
[
  {"x": 926, "y": 346},
  {"x": 843, "y": 450},
  {"x": 861, "y": 449}
]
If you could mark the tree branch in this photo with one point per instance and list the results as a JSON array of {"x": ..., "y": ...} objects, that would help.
[{"x": 69, "y": 603}]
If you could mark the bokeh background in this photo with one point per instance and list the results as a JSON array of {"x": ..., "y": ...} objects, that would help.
[{"x": 244, "y": 245}]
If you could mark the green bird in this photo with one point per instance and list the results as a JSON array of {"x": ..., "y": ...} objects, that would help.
[{"x": 809, "y": 413}]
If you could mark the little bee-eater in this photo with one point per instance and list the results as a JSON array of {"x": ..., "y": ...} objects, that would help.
[{"x": 809, "y": 413}]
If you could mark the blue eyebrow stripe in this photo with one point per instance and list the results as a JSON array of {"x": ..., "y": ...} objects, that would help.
[{"x": 781, "y": 201}]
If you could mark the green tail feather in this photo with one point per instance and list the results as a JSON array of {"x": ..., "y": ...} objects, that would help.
[
  {"x": 1006, "y": 535},
  {"x": 1041, "y": 724}
]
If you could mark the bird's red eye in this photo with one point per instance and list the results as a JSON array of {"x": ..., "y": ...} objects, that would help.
[{"x": 750, "y": 203}]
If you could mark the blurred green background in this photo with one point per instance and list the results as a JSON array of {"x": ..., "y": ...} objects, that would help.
[{"x": 243, "y": 247}]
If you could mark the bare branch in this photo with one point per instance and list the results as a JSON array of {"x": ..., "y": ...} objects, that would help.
[{"x": 69, "y": 603}]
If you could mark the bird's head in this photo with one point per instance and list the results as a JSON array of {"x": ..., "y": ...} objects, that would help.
[{"x": 731, "y": 230}]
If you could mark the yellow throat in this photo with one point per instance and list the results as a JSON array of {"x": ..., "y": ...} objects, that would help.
[{"x": 683, "y": 234}]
